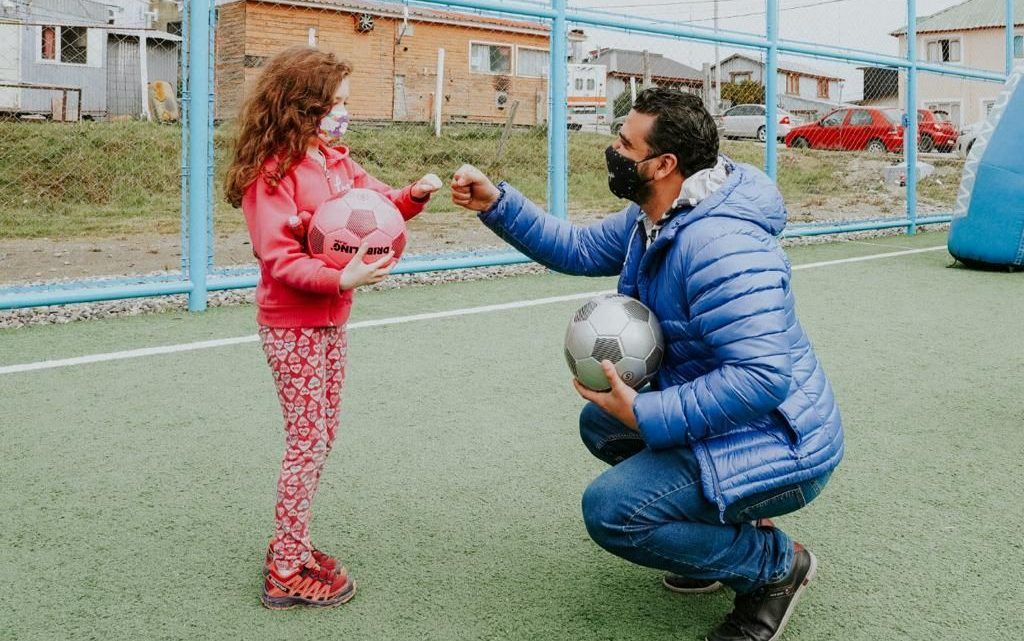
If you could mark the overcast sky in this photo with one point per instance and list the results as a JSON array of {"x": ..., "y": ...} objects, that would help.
[{"x": 857, "y": 24}]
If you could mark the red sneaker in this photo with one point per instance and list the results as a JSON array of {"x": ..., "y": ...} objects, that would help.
[{"x": 310, "y": 585}]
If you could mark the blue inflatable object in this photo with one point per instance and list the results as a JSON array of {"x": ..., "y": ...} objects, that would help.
[{"x": 988, "y": 226}]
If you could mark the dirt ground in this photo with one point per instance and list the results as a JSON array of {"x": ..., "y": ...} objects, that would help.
[{"x": 857, "y": 194}]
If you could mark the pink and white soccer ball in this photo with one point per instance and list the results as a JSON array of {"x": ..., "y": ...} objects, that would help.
[{"x": 343, "y": 223}]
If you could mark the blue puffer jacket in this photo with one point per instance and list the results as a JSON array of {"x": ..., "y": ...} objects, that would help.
[{"x": 739, "y": 383}]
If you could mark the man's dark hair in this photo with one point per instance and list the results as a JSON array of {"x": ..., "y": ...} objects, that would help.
[{"x": 682, "y": 127}]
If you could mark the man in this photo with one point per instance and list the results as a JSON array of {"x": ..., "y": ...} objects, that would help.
[{"x": 741, "y": 423}]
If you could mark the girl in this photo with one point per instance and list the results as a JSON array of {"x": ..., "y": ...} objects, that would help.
[{"x": 288, "y": 160}]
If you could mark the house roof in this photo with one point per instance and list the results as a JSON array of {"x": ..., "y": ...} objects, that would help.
[
  {"x": 419, "y": 14},
  {"x": 972, "y": 14},
  {"x": 787, "y": 65},
  {"x": 628, "y": 62},
  {"x": 152, "y": 34}
]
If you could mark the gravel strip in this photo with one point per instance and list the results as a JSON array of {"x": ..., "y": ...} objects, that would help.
[{"x": 61, "y": 314}]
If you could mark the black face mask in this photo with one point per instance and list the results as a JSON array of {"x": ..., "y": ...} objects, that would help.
[{"x": 624, "y": 178}]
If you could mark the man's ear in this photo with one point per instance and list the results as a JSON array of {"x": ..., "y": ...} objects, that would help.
[{"x": 667, "y": 164}]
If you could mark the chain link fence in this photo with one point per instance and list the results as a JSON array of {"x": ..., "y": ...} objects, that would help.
[
  {"x": 90, "y": 146},
  {"x": 91, "y": 100},
  {"x": 432, "y": 87}
]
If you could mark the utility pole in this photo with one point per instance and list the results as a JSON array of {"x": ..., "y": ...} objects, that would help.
[{"x": 718, "y": 69}]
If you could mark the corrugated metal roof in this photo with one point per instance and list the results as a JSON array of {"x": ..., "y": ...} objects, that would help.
[
  {"x": 972, "y": 14},
  {"x": 631, "y": 63}
]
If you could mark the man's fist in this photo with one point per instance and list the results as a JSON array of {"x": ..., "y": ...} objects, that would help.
[{"x": 473, "y": 190}]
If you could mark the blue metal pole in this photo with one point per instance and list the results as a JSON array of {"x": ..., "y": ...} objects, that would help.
[
  {"x": 1009, "y": 36},
  {"x": 910, "y": 133},
  {"x": 558, "y": 138},
  {"x": 822, "y": 230},
  {"x": 198, "y": 149},
  {"x": 771, "y": 91},
  {"x": 88, "y": 295}
]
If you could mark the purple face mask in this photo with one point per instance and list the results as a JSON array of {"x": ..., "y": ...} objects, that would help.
[{"x": 333, "y": 126}]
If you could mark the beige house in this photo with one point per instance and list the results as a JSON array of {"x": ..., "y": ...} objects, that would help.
[
  {"x": 489, "y": 63},
  {"x": 971, "y": 34}
]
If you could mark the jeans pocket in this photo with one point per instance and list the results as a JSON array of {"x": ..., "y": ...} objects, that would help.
[{"x": 767, "y": 504}]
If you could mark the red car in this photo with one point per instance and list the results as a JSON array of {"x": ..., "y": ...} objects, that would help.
[
  {"x": 935, "y": 131},
  {"x": 872, "y": 129},
  {"x": 876, "y": 130}
]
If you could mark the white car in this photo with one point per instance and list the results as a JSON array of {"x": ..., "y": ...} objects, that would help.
[
  {"x": 748, "y": 121},
  {"x": 967, "y": 137}
]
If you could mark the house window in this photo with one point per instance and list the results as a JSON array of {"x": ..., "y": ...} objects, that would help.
[
  {"x": 822, "y": 88},
  {"x": 737, "y": 78},
  {"x": 792, "y": 84},
  {"x": 69, "y": 45},
  {"x": 579, "y": 84},
  {"x": 1018, "y": 46},
  {"x": 591, "y": 84},
  {"x": 74, "y": 45},
  {"x": 987, "y": 106},
  {"x": 532, "y": 62},
  {"x": 49, "y": 43},
  {"x": 944, "y": 50},
  {"x": 486, "y": 58}
]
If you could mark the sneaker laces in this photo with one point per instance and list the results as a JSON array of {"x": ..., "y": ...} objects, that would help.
[{"x": 319, "y": 573}]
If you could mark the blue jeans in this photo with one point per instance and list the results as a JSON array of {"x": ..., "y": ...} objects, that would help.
[{"x": 648, "y": 508}]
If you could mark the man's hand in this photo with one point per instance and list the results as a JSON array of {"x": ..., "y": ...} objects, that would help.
[
  {"x": 618, "y": 401},
  {"x": 473, "y": 190},
  {"x": 425, "y": 186},
  {"x": 357, "y": 273}
]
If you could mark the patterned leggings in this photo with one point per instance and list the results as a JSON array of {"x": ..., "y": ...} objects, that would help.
[{"x": 308, "y": 364}]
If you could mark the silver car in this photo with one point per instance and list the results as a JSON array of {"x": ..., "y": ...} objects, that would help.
[
  {"x": 748, "y": 121},
  {"x": 968, "y": 135}
]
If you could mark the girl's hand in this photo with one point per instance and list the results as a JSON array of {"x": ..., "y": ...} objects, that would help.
[
  {"x": 425, "y": 186},
  {"x": 357, "y": 273}
]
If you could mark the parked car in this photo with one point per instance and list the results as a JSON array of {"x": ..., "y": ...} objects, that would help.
[
  {"x": 935, "y": 131},
  {"x": 872, "y": 129},
  {"x": 863, "y": 128},
  {"x": 748, "y": 121},
  {"x": 965, "y": 141}
]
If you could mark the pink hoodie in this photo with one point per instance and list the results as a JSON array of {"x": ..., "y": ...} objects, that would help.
[{"x": 295, "y": 289}]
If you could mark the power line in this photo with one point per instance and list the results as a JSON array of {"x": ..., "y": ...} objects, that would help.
[{"x": 674, "y": 3}]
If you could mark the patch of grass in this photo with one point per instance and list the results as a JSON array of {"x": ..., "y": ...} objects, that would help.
[{"x": 109, "y": 179}]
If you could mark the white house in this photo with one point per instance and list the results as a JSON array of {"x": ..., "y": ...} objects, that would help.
[
  {"x": 53, "y": 53},
  {"x": 971, "y": 34},
  {"x": 803, "y": 90}
]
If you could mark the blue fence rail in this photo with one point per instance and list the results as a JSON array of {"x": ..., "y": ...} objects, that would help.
[{"x": 198, "y": 276}]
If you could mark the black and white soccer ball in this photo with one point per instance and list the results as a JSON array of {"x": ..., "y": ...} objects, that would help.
[{"x": 615, "y": 328}]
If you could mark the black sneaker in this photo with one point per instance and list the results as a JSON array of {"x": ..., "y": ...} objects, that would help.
[
  {"x": 683, "y": 585},
  {"x": 762, "y": 615}
]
